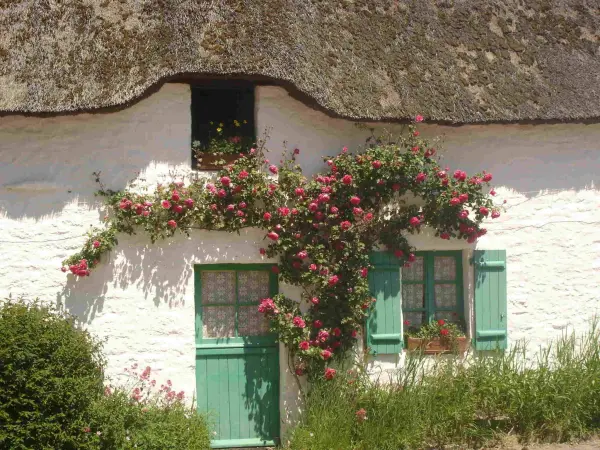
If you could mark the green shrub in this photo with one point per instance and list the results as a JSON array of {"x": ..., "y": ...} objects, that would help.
[
  {"x": 50, "y": 374},
  {"x": 138, "y": 416},
  {"x": 435, "y": 402}
]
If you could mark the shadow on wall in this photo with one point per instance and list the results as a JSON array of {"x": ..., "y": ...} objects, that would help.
[{"x": 162, "y": 272}]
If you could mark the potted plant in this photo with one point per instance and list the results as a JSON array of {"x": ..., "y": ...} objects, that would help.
[
  {"x": 437, "y": 337},
  {"x": 226, "y": 141}
]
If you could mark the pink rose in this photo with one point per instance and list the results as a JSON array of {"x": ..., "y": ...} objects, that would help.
[
  {"x": 357, "y": 211},
  {"x": 267, "y": 216},
  {"x": 178, "y": 208},
  {"x": 225, "y": 181},
  {"x": 460, "y": 175},
  {"x": 242, "y": 205},
  {"x": 273, "y": 169},
  {"x": 354, "y": 200},
  {"x": 239, "y": 213},
  {"x": 463, "y": 214},
  {"x": 243, "y": 174},
  {"x": 364, "y": 272},
  {"x": 484, "y": 211},
  {"x": 221, "y": 193},
  {"x": 313, "y": 207},
  {"x": 314, "y": 300},
  {"x": 298, "y": 322},
  {"x": 273, "y": 236},
  {"x": 420, "y": 177},
  {"x": 96, "y": 244},
  {"x": 326, "y": 354},
  {"x": 368, "y": 217},
  {"x": 419, "y": 118},
  {"x": 304, "y": 345},
  {"x": 302, "y": 254},
  {"x": 230, "y": 207},
  {"x": 333, "y": 280},
  {"x": 495, "y": 214},
  {"x": 175, "y": 196},
  {"x": 345, "y": 225},
  {"x": 333, "y": 210},
  {"x": 172, "y": 224},
  {"x": 330, "y": 373},
  {"x": 463, "y": 197},
  {"x": 284, "y": 211},
  {"x": 487, "y": 177},
  {"x": 454, "y": 201},
  {"x": 166, "y": 204},
  {"x": 441, "y": 174},
  {"x": 189, "y": 202},
  {"x": 347, "y": 179},
  {"x": 415, "y": 221},
  {"x": 376, "y": 164},
  {"x": 299, "y": 191}
]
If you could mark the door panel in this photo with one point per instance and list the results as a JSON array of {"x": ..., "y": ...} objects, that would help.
[{"x": 237, "y": 358}]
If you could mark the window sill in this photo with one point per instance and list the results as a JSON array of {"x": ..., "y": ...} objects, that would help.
[{"x": 213, "y": 162}]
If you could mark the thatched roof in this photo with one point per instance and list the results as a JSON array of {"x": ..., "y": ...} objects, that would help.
[{"x": 450, "y": 60}]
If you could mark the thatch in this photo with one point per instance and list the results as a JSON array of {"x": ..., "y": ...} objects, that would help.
[{"x": 450, "y": 60}]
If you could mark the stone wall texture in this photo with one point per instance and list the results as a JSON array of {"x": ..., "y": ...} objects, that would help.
[{"x": 142, "y": 299}]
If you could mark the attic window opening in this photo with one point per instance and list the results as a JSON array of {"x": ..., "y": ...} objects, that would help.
[{"x": 223, "y": 122}]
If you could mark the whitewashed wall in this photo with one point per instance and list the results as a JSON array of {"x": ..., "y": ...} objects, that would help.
[{"x": 141, "y": 301}]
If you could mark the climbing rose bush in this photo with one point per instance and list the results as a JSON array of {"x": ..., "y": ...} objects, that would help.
[{"x": 322, "y": 229}]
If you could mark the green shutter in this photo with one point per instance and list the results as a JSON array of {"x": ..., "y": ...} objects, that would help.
[
  {"x": 490, "y": 299},
  {"x": 384, "y": 330}
]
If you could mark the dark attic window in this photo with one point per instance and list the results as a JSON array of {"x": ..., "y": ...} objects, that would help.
[{"x": 222, "y": 122}]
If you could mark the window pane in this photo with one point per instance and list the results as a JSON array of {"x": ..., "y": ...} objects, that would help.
[
  {"x": 218, "y": 287},
  {"x": 415, "y": 319},
  {"x": 444, "y": 268},
  {"x": 252, "y": 286},
  {"x": 218, "y": 321},
  {"x": 251, "y": 322},
  {"x": 415, "y": 271},
  {"x": 413, "y": 296},
  {"x": 445, "y": 295},
  {"x": 448, "y": 316}
]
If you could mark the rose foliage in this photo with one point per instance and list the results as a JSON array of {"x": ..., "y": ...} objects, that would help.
[{"x": 322, "y": 229}]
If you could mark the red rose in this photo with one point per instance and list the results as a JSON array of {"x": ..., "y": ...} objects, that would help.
[
  {"x": 357, "y": 211},
  {"x": 333, "y": 210},
  {"x": 221, "y": 193},
  {"x": 326, "y": 354},
  {"x": 364, "y": 272},
  {"x": 230, "y": 207},
  {"x": 172, "y": 224},
  {"x": 361, "y": 414},
  {"x": 415, "y": 221},
  {"x": 495, "y": 214},
  {"x": 454, "y": 201},
  {"x": 484, "y": 211},
  {"x": 299, "y": 371},
  {"x": 312, "y": 267},
  {"x": 189, "y": 202},
  {"x": 411, "y": 257},
  {"x": 262, "y": 251},
  {"x": 314, "y": 301},
  {"x": 296, "y": 151},
  {"x": 445, "y": 235},
  {"x": 313, "y": 207},
  {"x": 345, "y": 225},
  {"x": 243, "y": 174},
  {"x": 303, "y": 254},
  {"x": 407, "y": 322},
  {"x": 299, "y": 191},
  {"x": 347, "y": 179},
  {"x": 178, "y": 208},
  {"x": 460, "y": 175},
  {"x": 175, "y": 196},
  {"x": 463, "y": 214},
  {"x": 492, "y": 192},
  {"x": 330, "y": 373},
  {"x": 354, "y": 333},
  {"x": 166, "y": 204},
  {"x": 420, "y": 177},
  {"x": 396, "y": 187},
  {"x": 317, "y": 324},
  {"x": 419, "y": 118},
  {"x": 298, "y": 322},
  {"x": 441, "y": 322},
  {"x": 296, "y": 264},
  {"x": 368, "y": 217},
  {"x": 376, "y": 164},
  {"x": 333, "y": 280},
  {"x": 272, "y": 235},
  {"x": 354, "y": 200},
  {"x": 240, "y": 213},
  {"x": 284, "y": 211},
  {"x": 267, "y": 216},
  {"x": 337, "y": 332},
  {"x": 398, "y": 253},
  {"x": 463, "y": 197},
  {"x": 275, "y": 269},
  {"x": 304, "y": 345},
  {"x": 273, "y": 169},
  {"x": 487, "y": 177},
  {"x": 444, "y": 331},
  {"x": 225, "y": 181}
]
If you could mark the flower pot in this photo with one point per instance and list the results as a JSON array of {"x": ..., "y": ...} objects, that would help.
[
  {"x": 437, "y": 346},
  {"x": 209, "y": 161}
]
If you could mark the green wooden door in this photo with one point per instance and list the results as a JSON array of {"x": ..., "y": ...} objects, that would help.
[
  {"x": 490, "y": 299},
  {"x": 237, "y": 359},
  {"x": 384, "y": 329}
]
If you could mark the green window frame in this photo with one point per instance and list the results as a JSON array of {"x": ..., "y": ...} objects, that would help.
[
  {"x": 431, "y": 288},
  {"x": 235, "y": 340}
]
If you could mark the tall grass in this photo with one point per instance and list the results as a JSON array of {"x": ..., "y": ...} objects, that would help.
[{"x": 474, "y": 401}]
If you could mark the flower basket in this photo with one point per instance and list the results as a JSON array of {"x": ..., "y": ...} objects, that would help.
[
  {"x": 437, "y": 346},
  {"x": 210, "y": 161}
]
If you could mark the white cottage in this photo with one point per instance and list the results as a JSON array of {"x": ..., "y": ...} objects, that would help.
[{"x": 124, "y": 88}]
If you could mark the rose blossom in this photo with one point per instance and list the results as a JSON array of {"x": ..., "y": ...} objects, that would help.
[
  {"x": 415, "y": 221},
  {"x": 304, "y": 345},
  {"x": 330, "y": 373},
  {"x": 484, "y": 211},
  {"x": 333, "y": 280},
  {"x": 298, "y": 322},
  {"x": 463, "y": 197},
  {"x": 326, "y": 354},
  {"x": 225, "y": 181},
  {"x": 463, "y": 214},
  {"x": 419, "y": 118},
  {"x": 354, "y": 200},
  {"x": 376, "y": 164},
  {"x": 345, "y": 225},
  {"x": 267, "y": 216},
  {"x": 299, "y": 191},
  {"x": 454, "y": 201},
  {"x": 495, "y": 214},
  {"x": 302, "y": 254},
  {"x": 364, "y": 272},
  {"x": 420, "y": 177},
  {"x": 487, "y": 177},
  {"x": 96, "y": 244},
  {"x": 317, "y": 324},
  {"x": 347, "y": 179},
  {"x": 314, "y": 300},
  {"x": 166, "y": 204},
  {"x": 273, "y": 169},
  {"x": 172, "y": 224}
]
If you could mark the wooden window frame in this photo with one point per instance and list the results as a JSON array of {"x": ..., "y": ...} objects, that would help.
[
  {"x": 237, "y": 340},
  {"x": 429, "y": 283}
]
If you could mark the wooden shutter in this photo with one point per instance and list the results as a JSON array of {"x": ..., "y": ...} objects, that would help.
[
  {"x": 384, "y": 330},
  {"x": 490, "y": 299}
]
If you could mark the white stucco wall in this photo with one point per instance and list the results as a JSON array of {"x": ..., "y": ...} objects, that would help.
[{"x": 142, "y": 299}]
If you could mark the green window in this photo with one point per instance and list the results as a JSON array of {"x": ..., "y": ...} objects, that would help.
[{"x": 432, "y": 288}]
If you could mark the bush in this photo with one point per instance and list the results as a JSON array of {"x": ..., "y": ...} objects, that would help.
[
  {"x": 137, "y": 416},
  {"x": 50, "y": 374},
  {"x": 446, "y": 401}
]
